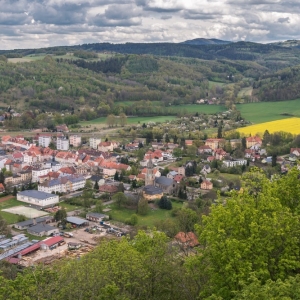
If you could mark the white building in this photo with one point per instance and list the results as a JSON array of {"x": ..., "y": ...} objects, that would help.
[
  {"x": 62, "y": 144},
  {"x": 36, "y": 173},
  {"x": 75, "y": 140},
  {"x": 38, "y": 198},
  {"x": 234, "y": 163},
  {"x": 44, "y": 141},
  {"x": 94, "y": 142},
  {"x": 63, "y": 184}
]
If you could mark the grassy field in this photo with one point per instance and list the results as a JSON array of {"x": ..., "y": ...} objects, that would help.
[
  {"x": 8, "y": 217},
  {"x": 245, "y": 92},
  {"x": 149, "y": 220},
  {"x": 201, "y": 108},
  {"x": 133, "y": 120},
  {"x": 291, "y": 125},
  {"x": 269, "y": 111}
]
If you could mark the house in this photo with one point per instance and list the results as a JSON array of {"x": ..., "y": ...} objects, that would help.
[
  {"x": 187, "y": 240},
  {"x": 234, "y": 163},
  {"x": 62, "y": 144},
  {"x": 206, "y": 185},
  {"x": 75, "y": 140},
  {"x": 172, "y": 174},
  {"x": 37, "y": 198},
  {"x": 204, "y": 150},
  {"x": 96, "y": 217},
  {"x": 178, "y": 178},
  {"x": 62, "y": 128},
  {"x": 94, "y": 142},
  {"x": 220, "y": 154},
  {"x": 105, "y": 146},
  {"x": 44, "y": 140},
  {"x": 206, "y": 170},
  {"x": 295, "y": 151},
  {"x": 37, "y": 172},
  {"x": 157, "y": 145},
  {"x": 235, "y": 143},
  {"x": 188, "y": 143},
  {"x": 215, "y": 143},
  {"x": 109, "y": 189},
  {"x": 253, "y": 141},
  {"x": 42, "y": 230}
]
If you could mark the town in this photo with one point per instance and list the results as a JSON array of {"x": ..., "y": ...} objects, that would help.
[{"x": 59, "y": 193}]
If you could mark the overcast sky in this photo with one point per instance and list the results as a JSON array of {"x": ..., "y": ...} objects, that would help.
[{"x": 43, "y": 23}]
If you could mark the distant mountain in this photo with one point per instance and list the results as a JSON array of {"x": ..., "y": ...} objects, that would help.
[
  {"x": 202, "y": 41},
  {"x": 288, "y": 44}
]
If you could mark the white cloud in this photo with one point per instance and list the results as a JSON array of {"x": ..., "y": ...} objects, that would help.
[{"x": 42, "y": 23}]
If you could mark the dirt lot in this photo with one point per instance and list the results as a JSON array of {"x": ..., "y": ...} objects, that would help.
[{"x": 26, "y": 211}]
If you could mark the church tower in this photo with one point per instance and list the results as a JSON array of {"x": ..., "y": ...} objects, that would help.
[{"x": 149, "y": 179}]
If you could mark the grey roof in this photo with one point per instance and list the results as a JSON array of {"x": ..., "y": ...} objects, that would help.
[
  {"x": 30, "y": 222},
  {"x": 36, "y": 194},
  {"x": 75, "y": 220},
  {"x": 40, "y": 228},
  {"x": 96, "y": 177},
  {"x": 163, "y": 180},
  {"x": 96, "y": 215},
  {"x": 152, "y": 190},
  {"x": 173, "y": 173}
]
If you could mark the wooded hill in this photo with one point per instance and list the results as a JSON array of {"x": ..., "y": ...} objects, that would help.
[{"x": 165, "y": 74}]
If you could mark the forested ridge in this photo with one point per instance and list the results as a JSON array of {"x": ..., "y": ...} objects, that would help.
[{"x": 249, "y": 249}]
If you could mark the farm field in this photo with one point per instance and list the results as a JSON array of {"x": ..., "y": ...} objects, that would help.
[
  {"x": 291, "y": 125},
  {"x": 200, "y": 108},
  {"x": 269, "y": 111}
]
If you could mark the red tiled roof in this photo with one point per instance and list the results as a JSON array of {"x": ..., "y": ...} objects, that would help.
[{"x": 187, "y": 238}]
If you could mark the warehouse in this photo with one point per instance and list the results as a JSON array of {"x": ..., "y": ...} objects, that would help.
[
  {"x": 42, "y": 230},
  {"x": 77, "y": 222},
  {"x": 96, "y": 217},
  {"x": 38, "y": 198}
]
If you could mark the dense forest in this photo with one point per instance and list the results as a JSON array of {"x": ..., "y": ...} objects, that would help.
[{"x": 249, "y": 249}]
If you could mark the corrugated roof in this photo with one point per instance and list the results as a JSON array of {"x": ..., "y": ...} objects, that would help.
[{"x": 75, "y": 220}]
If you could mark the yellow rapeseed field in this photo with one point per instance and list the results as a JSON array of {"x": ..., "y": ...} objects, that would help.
[{"x": 291, "y": 125}]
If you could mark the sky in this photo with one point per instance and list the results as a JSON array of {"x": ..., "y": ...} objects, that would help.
[{"x": 44, "y": 23}]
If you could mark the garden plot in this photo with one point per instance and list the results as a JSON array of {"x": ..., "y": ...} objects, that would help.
[{"x": 25, "y": 211}]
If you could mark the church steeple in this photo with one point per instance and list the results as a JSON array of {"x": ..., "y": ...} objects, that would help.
[{"x": 149, "y": 180}]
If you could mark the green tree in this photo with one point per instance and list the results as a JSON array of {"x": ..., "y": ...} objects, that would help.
[
  {"x": 186, "y": 219},
  {"x": 257, "y": 238},
  {"x": 165, "y": 203},
  {"x": 15, "y": 191},
  {"x": 123, "y": 119},
  {"x": 99, "y": 206},
  {"x": 60, "y": 215},
  {"x": 143, "y": 207},
  {"x": 96, "y": 186},
  {"x": 119, "y": 199}
]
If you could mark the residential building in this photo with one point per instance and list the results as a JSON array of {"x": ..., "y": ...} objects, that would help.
[
  {"x": 44, "y": 140},
  {"x": 234, "y": 163},
  {"x": 206, "y": 185},
  {"x": 215, "y": 143},
  {"x": 62, "y": 144},
  {"x": 38, "y": 198},
  {"x": 253, "y": 141},
  {"x": 75, "y": 140},
  {"x": 106, "y": 146},
  {"x": 64, "y": 184},
  {"x": 94, "y": 142},
  {"x": 186, "y": 240},
  {"x": 36, "y": 173}
]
